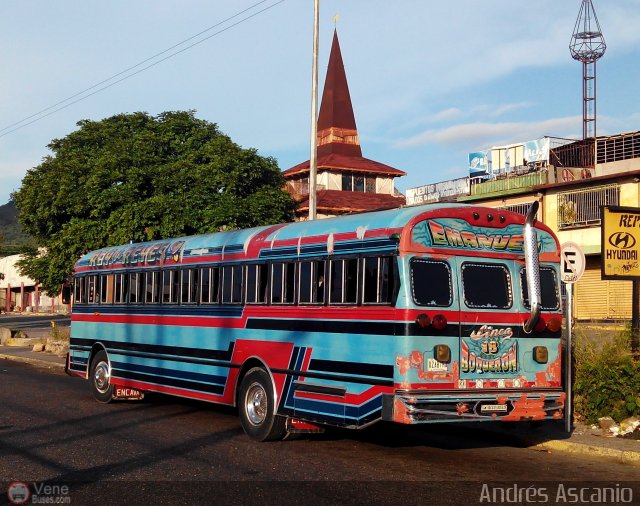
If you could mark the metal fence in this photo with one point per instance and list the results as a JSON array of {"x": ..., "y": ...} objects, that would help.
[{"x": 582, "y": 207}]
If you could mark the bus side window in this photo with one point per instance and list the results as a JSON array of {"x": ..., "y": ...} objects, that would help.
[
  {"x": 121, "y": 288},
  {"x": 344, "y": 281},
  {"x": 431, "y": 282},
  {"x": 319, "y": 285},
  {"x": 189, "y": 283},
  {"x": 311, "y": 282},
  {"x": 231, "y": 284},
  {"x": 256, "y": 284},
  {"x": 277, "y": 283},
  {"x": 215, "y": 285},
  {"x": 152, "y": 288},
  {"x": 92, "y": 290},
  {"x": 118, "y": 296},
  {"x": 378, "y": 280},
  {"x": 106, "y": 289},
  {"x": 136, "y": 288},
  {"x": 170, "y": 286},
  {"x": 78, "y": 291},
  {"x": 289, "y": 282},
  {"x": 166, "y": 287},
  {"x": 175, "y": 286},
  {"x": 205, "y": 285},
  {"x": 133, "y": 283},
  {"x": 282, "y": 282},
  {"x": 209, "y": 285}
]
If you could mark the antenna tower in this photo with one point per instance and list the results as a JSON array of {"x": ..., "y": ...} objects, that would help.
[{"x": 587, "y": 46}]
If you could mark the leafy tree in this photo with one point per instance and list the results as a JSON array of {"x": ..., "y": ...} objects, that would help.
[{"x": 136, "y": 177}]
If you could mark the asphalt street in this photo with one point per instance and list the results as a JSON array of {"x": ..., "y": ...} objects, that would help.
[
  {"x": 170, "y": 451},
  {"x": 23, "y": 321}
]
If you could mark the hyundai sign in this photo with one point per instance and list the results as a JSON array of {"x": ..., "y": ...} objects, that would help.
[{"x": 620, "y": 242}]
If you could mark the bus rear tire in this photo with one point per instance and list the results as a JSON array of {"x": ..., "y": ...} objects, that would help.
[
  {"x": 256, "y": 406},
  {"x": 99, "y": 378}
]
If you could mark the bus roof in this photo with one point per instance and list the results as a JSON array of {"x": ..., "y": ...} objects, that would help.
[{"x": 229, "y": 245}]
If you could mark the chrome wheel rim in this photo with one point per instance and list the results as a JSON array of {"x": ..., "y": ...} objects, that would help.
[
  {"x": 256, "y": 404},
  {"x": 101, "y": 377}
]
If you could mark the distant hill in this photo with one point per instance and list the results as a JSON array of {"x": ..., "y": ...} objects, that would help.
[{"x": 12, "y": 239}]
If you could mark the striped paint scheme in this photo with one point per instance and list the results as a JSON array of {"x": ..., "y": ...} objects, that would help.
[{"x": 329, "y": 364}]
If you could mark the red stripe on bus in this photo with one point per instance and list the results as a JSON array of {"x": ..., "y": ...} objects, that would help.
[
  {"x": 180, "y": 392},
  {"x": 350, "y": 399},
  {"x": 170, "y": 321}
]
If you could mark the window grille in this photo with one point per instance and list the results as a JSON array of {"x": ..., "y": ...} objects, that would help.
[
  {"x": 518, "y": 208},
  {"x": 582, "y": 207}
]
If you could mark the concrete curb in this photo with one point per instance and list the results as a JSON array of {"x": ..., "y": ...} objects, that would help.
[
  {"x": 33, "y": 361},
  {"x": 625, "y": 456}
]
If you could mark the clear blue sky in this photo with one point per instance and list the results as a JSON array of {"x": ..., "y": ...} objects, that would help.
[{"x": 430, "y": 81}]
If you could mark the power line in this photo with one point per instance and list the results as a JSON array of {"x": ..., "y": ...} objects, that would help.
[{"x": 39, "y": 115}]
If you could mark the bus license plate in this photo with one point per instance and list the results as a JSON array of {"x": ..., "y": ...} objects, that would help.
[
  {"x": 127, "y": 393},
  {"x": 494, "y": 408}
]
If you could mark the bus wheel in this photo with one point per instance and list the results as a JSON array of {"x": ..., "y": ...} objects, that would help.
[
  {"x": 257, "y": 409},
  {"x": 99, "y": 375}
]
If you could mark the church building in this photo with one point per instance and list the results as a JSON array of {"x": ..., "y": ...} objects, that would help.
[{"x": 346, "y": 181}]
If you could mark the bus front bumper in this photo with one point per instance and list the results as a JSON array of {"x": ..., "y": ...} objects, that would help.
[{"x": 420, "y": 407}]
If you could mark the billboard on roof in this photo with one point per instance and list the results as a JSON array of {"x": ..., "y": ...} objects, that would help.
[
  {"x": 537, "y": 151},
  {"x": 437, "y": 191},
  {"x": 479, "y": 162}
]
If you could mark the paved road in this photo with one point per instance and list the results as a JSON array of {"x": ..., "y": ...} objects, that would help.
[
  {"x": 170, "y": 451},
  {"x": 33, "y": 321}
]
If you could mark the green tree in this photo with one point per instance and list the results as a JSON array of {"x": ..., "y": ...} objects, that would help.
[{"x": 136, "y": 177}]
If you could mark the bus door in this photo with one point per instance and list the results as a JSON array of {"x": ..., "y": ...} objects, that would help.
[
  {"x": 490, "y": 322},
  {"x": 431, "y": 356}
]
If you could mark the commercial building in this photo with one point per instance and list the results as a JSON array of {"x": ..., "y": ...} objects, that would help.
[
  {"x": 572, "y": 180},
  {"x": 21, "y": 294}
]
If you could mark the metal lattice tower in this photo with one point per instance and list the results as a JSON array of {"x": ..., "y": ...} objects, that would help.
[{"x": 587, "y": 46}]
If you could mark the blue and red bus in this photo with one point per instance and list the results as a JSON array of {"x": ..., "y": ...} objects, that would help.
[{"x": 438, "y": 313}]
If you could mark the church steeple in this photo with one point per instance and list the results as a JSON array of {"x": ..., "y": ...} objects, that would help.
[
  {"x": 337, "y": 131},
  {"x": 346, "y": 181}
]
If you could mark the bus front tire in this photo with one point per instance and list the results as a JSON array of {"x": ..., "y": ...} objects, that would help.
[
  {"x": 256, "y": 406},
  {"x": 99, "y": 378}
]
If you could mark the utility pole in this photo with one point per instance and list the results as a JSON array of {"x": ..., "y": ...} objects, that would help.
[{"x": 313, "y": 159}]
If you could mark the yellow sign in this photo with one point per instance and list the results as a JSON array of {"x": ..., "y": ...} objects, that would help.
[{"x": 620, "y": 243}]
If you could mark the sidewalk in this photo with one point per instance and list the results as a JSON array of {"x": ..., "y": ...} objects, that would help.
[
  {"x": 548, "y": 437},
  {"x": 41, "y": 359},
  {"x": 583, "y": 440}
]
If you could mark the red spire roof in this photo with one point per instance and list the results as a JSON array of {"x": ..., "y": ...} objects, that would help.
[
  {"x": 339, "y": 152},
  {"x": 337, "y": 131},
  {"x": 338, "y": 143},
  {"x": 336, "y": 162}
]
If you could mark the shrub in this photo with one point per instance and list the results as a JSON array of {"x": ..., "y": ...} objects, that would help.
[
  {"x": 59, "y": 334},
  {"x": 607, "y": 378}
]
